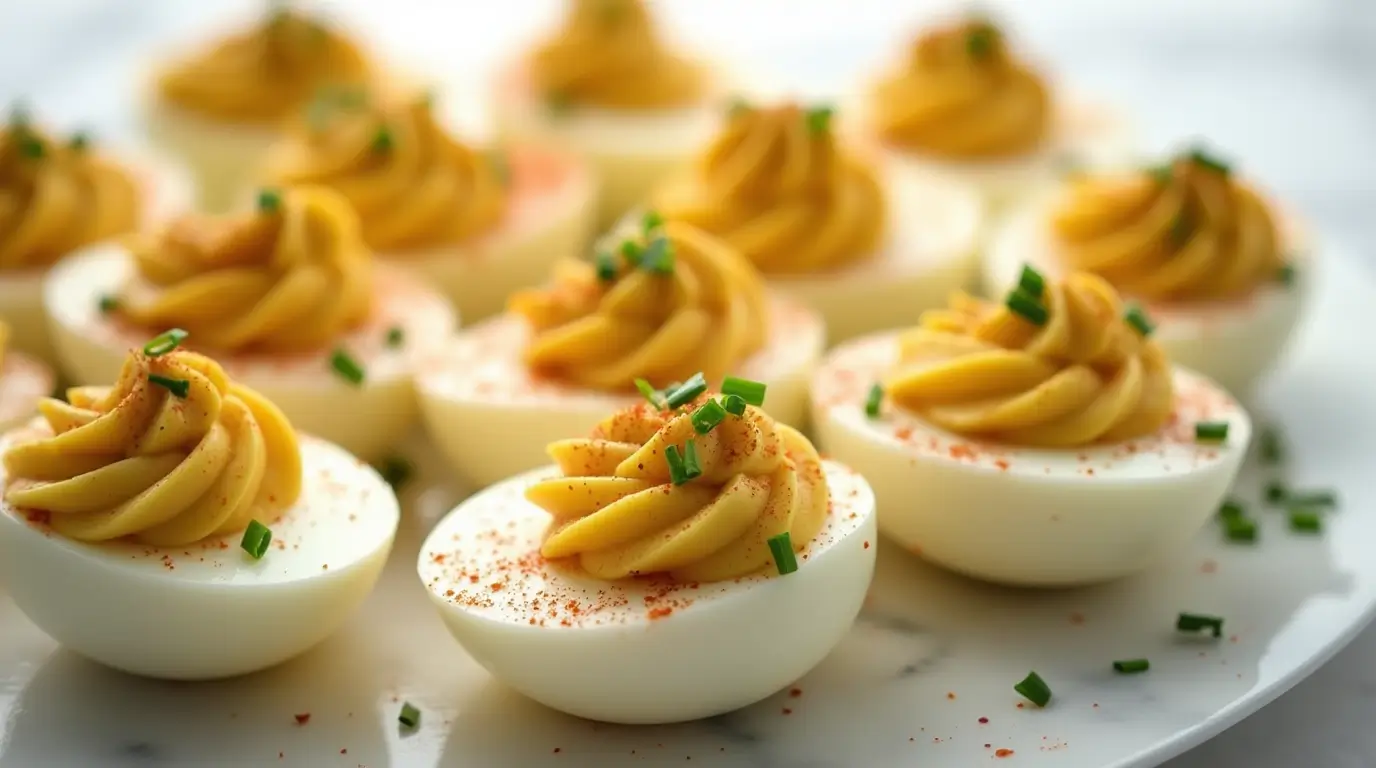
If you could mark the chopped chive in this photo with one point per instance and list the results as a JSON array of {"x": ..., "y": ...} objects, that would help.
[
  {"x": 653, "y": 395},
  {"x": 1272, "y": 450},
  {"x": 606, "y": 266},
  {"x": 1305, "y": 520},
  {"x": 1026, "y": 307},
  {"x": 683, "y": 463},
  {"x": 256, "y": 539},
  {"x": 750, "y": 391},
  {"x": 1180, "y": 231},
  {"x": 1131, "y": 666},
  {"x": 1275, "y": 492},
  {"x": 31, "y": 146},
  {"x": 164, "y": 342},
  {"x": 395, "y": 470},
  {"x": 1137, "y": 318},
  {"x": 1210, "y": 431},
  {"x": 692, "y": 467},
  {"x": 410, "y": 715},
  {"x": 269, "y": 201},
  {"x": 1031, "y": 282},
  {"x": 658, "y": 256},
  {"x": 347, "y": 367},
  {"x": 1240, "y": 528},
  {"x": 178, "y": 387},
  {"x": 686, "y": 392},
  {"x": 108, "y": 303},
  {"x": 819, "y": 120},
  {"x": 734, "y": 405},
  {"x": 979, "y": 42},
  {"x": 1231, "y": 508},
  {"x": 1203, "y": 158},
  {"x": 707, "y": 417},
  {"x": 1195, "y": 622},
  {"x": 1320, "y": 498},
  {"x": 382, "y": 140},
  {"x": 781, "y": 547},
  {"x": 650, "y": 222},
  {"x": 79, "y": 141},
  {"x": 396, "y": 336},
  {"x": 874, "y": 400},
  {"x": 630, "y": 251},
  {"x": 1034, "y": 689},
  {"x": 1286, "y": 274},
  {"x": 1162, "y": 173}
]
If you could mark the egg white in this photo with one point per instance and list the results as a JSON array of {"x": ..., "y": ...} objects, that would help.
[
  {"x": 367, "y": 419},
  {"x": 1026, "y": 516},
  {"x": 24, "y": 380},
  {"x": 492, "y": 419},
  {"x": 208, "y": 610},
  {"x": 641, "y": 650},
  {"x": 1234, "y": 342}
]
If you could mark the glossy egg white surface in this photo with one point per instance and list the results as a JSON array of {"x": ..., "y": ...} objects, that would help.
[
  {"x": 209, "y": 610},
  {"x": 1025, "y": 516},
  {"x": 641, "y": 650}
]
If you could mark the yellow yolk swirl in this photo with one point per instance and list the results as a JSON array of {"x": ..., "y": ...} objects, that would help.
[
  {"x": 1085, "y": 376},
  {"x": 663, "y": 318},
  {"x": 961, "y": 95},
  {"x": 263, "y": 73},
  {"x": 410, "y": 182},
  {"x": 616, "y": 509},
  {"x": 607, "y": 54},
  {"x": 136, "y": 460},
  {"x": 777, "y": 186},
  {"x": 1188, "y": 231},
  {"x": 56, "y": 197},
  {"x": 293, "y": 275}
]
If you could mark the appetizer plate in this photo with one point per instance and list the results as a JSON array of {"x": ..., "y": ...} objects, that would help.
[{"x": 925, "y": 678}]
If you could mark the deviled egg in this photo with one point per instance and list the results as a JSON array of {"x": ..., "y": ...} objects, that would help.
[
  {"x": 23, "y": 382},
  {"x": 176, "y": 526},
  {"x": 219, "y": 106},
  {"x": 608, "y": 87},
  {"x": 285, "y": 296},
  {"x": 476, "y": 224},
  {"x": 58, "y": 194},
  {"x": 673, "y": 541},
  {"x": 1045, "y": 441},
  {"x": 818, "y": 218},
  {"x": 1222, "y": 271},
  {"x": 961, "y": 104},
  {"x": 646, "y": 314}
]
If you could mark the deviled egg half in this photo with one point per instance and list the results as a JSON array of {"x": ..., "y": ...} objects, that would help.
[
  {"x": 1221, "y": 270},
  {"x": 219, "y": 106},
  {"x": 286, "y": 296},
  {"x": 1044, "y": 441},
  {"x": 606, "y": 86},
  {"x": 175, "y": 525},
  {"x": 57, "y": 195},
  {"x": 644, "y": 314},
  {"x": 869, "y": 251},
  {"x": 23, "y": 382},
  {"x": 477, "y": 224},
  {"x": 962, "y": 105},
  {"x": 673, "y": 541}
]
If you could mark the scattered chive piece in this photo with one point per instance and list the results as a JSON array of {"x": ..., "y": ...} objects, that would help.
[
  {"x": 734, "y": 405},
  {"x": 819, "y": 120},
  {"x": 164, "y": 342},
  {"x": 382, "y": 140},
  {"x": 1286, "y": 274},
  {"x": 1230, "y": 509},
  {"x": 1312, "y": 498},
  {"x": 1131, "y": 666},
  {"x": 256, "y": 539},
  {"x": 1240, "y": 528},
  {"x": 653, "y": 395},
  {"x": 347, "y": 367},
  {"x": 651, "y": 221},
  {"x": 1031, "y": 282},
  {"x": 873, "y": 401},
  {"x": 178, "y": 387},
  {"x": 1201, "y": 157},
  {"x": 1162, "y": 173},
  {"x": 1272, "y": 451},
  {"x": 707, "y": 417},
  {"x": 1210, "y": 431},
  {"x": 1275, "y": 492},
  {"x": 396, "y": 470},
  {"x": 686, "y": 392},
  {"x": 606, "y": 266},
  {"x": 979, "y": 42},
  {"x": 630, "y": 251},
  {"x": 410, "y": 715},
  {"x": 1180, "y": 231},
  {"x": 781, "y": 547},
  {"x": 395, "y": 336},
  {"x": 683, "y": 463},
  {"x": 691, "y": 466},
  {"x": 658, "y": 256},
  {"x": 1305, "y": 520},
  {"x": 80, "y": 141},
  {"x": 31, "y": 147},
  {"x": 1194, "y": 622},
  {"x": 750, "y": 391},
  {"x": 108, "y": 303},
  {"x": 269, "y": 201},
  {"x": 1034, "y": 689},
  {"x": 1026, "y": 307},
  {"x": 1137, "y": 318}
]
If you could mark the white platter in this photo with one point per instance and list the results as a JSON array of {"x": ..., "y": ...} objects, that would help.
[{"x": 932, "y": 654}]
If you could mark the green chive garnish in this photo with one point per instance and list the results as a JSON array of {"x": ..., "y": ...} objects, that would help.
[
  {"x": 1275, "y": 492},
  {"x": 1180, "y": 231},
  {"x": 1210, "y": 431},
  {"x": 108, "y": 303},
  {"x": 79, "y": 141},
  {"x": 1201, "y": 157},
  {"x": 979, "y": 43},
  {"x": 650, "y": 222},
  {"x": 395, "y": 470},
  {"x": 1195, "y": 622},
  {"x": 873, "y": 401},
  {"x": 650, "y": 393},
  {"x": 819, "y": 120},
  {"x": 630, "y": 251},
  {"x": 396, "y": 336},
  {"x": 347, "y": 367},
  {"x": 683, "y": 464},
  {"x": 1162, "y": 173},
  {"x": 1034, "y": 689},
  {"x": 751, "y": 392},
  {"x": 1137, "y": 318},
  {"x": 164, "y": 342},
  {"x": 1026, "y": 307},
  {"x": 605, "y": 263},
  {"x": 382, "y": 140},
  {"x": 1272, "y": 451},
  {"x": 269, "y": 201},
  {"x": 658, "y": 256},
  {"x": 1312, "y": 498},
  {"x": 734, "y": 405},
  {"x": 256, "y": 539},
  {"x": 1240, "y": 528},
  {"x": 781, "y": 547},
  {"x": 1286, "y": 274},
  {"x": 1131, "y": 666},
  {"x": 707, "y": 417},
  {"x": 31, "y": 147},
  {"x": 1305, "y": 521},
  {"x": 1231, "y": 508},
  {"x": 178, "y": 387},
  {"x": 1031, "y": 282},
  {"x": 410, "y": 715},
  {"x": 686, "y": 392}
]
